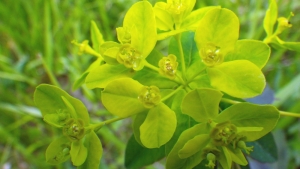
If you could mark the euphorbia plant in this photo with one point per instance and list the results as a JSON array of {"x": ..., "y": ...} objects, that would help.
[{"x": 175, "y": 100}]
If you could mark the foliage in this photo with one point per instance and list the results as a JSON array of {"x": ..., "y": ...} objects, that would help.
[{"x": 188, "y": 104}]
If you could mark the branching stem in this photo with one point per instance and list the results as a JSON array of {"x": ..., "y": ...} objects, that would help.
[{"x": 172, "y": 93}]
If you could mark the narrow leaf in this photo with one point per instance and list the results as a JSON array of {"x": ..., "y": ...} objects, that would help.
[
  {"x": 194, "y": 145},
  {"x": 96, "y": 36},
  {"x": 271, "y": 17}
]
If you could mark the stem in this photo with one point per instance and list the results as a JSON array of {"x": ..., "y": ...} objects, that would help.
[
  {"x": 50, "y": 73},
  {"x": 283, "y": 113},
  {"x": 183, "y": 68},
  {"x": 172, "y": 93},
  {"x": 150, "y": 66},
  {"x": 98, "y": 126}
]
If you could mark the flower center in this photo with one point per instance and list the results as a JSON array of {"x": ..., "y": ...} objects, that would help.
[
  {"x": 149, "y": 96},
  {"x": 211, "y": 55},
  {"x": 129, "y": 56},
  {"x": 74, "y": 129}
]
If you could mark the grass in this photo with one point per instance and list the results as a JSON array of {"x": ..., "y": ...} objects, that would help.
[{"x": 35, "y": 48}]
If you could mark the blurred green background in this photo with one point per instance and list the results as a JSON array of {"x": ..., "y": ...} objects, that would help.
[{"x": 35, "y": 48}]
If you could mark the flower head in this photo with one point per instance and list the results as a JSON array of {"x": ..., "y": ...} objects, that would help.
[{"x": 150, "y": 96}]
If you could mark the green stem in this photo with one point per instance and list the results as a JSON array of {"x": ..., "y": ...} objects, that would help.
[
  {"x": 183, "y": 68},
  {"x": 98, "y": 126},
  {"x": 150, "y": 66},
  {"x": 50, "y": 73},
  {"x": 283, "y": 113},
  {"x": 172, "y": 93}
]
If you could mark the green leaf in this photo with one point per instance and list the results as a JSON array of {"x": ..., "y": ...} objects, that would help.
[
  {"x": 69, "y": 107},
  {"x": 237, "y": 156},
  {"x": 254, "y": 51},
  {"x": 78, "y": 153},
  {"x": 194, "y": 145},
  {"x": 109, "y": 51},
  {"x": 104, "y": 74},
  {"x": 96, "y": 36},
  {"x": 81, "y": 79},
  {"x": 225, "y": 158},
  {"x": 94, "y": 149},
  {"x": 183, "y": 121},
  {"x": 140, "y": 20},
  {"x": 251, "y": 115},
  {"x": 148, "y": 77},
  {"x": 239, "y": 78},
  {"x": 265, "y": 149},
  {"x": 174, "y": 161},
  {"x": 164, "y": 20},
  {"x": 200, "y": 82},
  {"x": 53, "y": 119},
  {"x": 137, "y": 122},
  {"x": 219, "y": 27},
  {"x": 271, "y": 17},
  {"x": 120, "y": 97},
  {"x": 202, "y": 104},
  {"x": 144, "y": 155},
  {"x": 58, "y": 151},
  {"x": 158, "y": 127},
  {"x": 49, "y": 100},
  {"x": 192, "y": 20},
  {"x": 188, "y": 4}
]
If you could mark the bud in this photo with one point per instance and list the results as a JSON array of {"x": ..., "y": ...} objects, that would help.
[
  {"x": 150, "y": 96},
  {"x": 84, "y": 47},
  {"x": 242, "y": 145},
  {"x": 283, "y": 24},
  {"x": 211, "y": 55},
  {"x": 168, "y": 66},
  {"x": 211, "y": 158}
]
